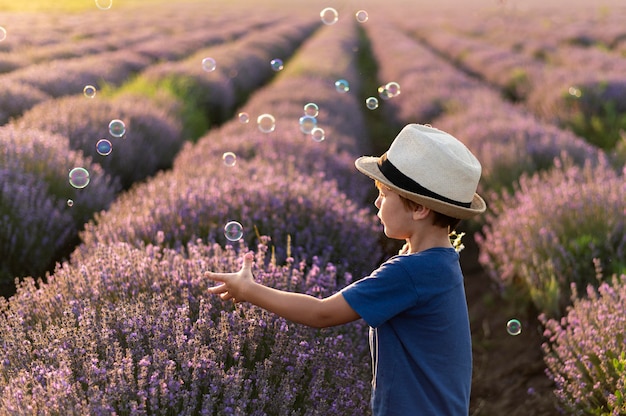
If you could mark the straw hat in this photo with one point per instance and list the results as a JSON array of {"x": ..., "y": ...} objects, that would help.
[{"x": 430, "y": 167}]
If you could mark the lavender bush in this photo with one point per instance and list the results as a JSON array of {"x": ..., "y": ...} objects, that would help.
[
  {"x": 152, "y": 139},
  {"x": 15, "y": 98},
  {"x": 35, "y": 226},
  {"x": 585, "y": 351},
  {"x": 163, "y": 346},
  {"x": 546, "y": 235},
  {"x": 35, "y": 167},
  {"x": 264, "y": 198}
]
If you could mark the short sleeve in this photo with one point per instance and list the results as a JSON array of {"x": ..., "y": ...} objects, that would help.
[{"x": 382, "y": 295}]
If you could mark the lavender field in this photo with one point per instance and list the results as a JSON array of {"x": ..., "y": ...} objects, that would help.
[{"x": 143, "y": 143}]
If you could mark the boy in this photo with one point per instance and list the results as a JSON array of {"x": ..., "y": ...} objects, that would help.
[{"x": 415, "y": 302}]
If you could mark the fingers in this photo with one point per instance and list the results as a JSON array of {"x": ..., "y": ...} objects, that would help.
[{"x": 248, "y": 260}]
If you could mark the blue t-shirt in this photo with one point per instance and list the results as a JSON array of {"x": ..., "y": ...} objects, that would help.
[{"x": 420, "y": 335}]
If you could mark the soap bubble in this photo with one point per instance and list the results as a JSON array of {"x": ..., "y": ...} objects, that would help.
[
  {"x": 276, "y": 64},
  {"x": 393, "y": 88},
  {"x": 229, "y": 158},
  {"x": 307, "y": 124},
  {"x": 79, "y": 177},
  {"x": 341, "y": 85},
  {"x": 318, "y": 134},
  {"x": 233, "y": 231},
  {"x": 243, "y": 117},
  {"x": 371, "y": 103},
  {"x": 266, "y": 123},
  {"x": 384, "y": 93},
  {"x": 70, "y": 203},
  {"x": 362, "y": 16},
  {"x": 104, "y": 4},
  {"x": 514, "y": 327},
  {"x": 311, "y": 109},
  {"x": 575, "y": 92},
  {"x": 209, "y": 64},
  {"x": 3, "y": 33},
  {"x": 329, "y": 16},
  {"x": 104, "y": 147},
  {"x": 89, "y": 91},
  {"x": 117, "y": 128}
]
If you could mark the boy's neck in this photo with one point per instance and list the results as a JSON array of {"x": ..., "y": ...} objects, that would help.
[{"x": 431, "y": 237}]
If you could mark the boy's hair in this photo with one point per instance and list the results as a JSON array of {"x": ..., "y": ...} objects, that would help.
[{"x": 442, "y": 220}]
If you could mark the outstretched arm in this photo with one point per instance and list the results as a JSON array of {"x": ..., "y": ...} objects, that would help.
[{"x": 296, "y": 307}]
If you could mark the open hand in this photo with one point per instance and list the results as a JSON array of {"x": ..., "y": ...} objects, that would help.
[{"x": 234, "y": 285}]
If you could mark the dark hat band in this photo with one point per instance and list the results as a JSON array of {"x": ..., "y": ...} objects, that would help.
[{"x": 402, "y": 181}]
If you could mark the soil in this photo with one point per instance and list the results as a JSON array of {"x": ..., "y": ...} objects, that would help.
[{"x": 509, "y": 371}]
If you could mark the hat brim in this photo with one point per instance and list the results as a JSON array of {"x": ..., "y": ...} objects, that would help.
[{"x": 368, "y": 165}]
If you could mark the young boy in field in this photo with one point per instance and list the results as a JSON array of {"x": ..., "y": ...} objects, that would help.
[{"x": 414, "y": 302}]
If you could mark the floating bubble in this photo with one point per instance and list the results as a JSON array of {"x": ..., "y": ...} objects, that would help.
[
  {"x": 341, "y": 85},
  {"x": 70, "y": 203},
  {"x": 233, "y": 231},
  {"x": 3, "y": 33},
  {"x": 329, "y": 16},
  {"x": 384, "y": 93},
  {"x": 307, "y": 124},
  {"x": 89, "y": 91},
  {"x": 229, "y": 158},
  {"x": 371, "y": 103},
  {"x": 318, "y": 134},
  {"x": 311, "y": 109},
  {"x": 79, "y": 177},
  {"x": 393, "y": 88},
  {"x": 243, "y": 117},
  {"x": 514, "y": 327},
  {"x": 276, "y": 64},
  {"x": 104, "y": 147},
  {"x": 104, "y": 4},
  {"x": 362, "y": 16},
  {"x": 117, "y": 128},
  {"x": 266, "y": 123},
  {"x": 209, "y": 64}
]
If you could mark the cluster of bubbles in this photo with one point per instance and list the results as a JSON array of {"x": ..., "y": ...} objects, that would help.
[
  {"x": 104, "y": 4},
  {"x": 209, "y": 64},
  {"x": 233, "y": 231},
  {"x": 308, "y": 122},
  {"x": 276, "y": 64},
  {"x": 514, "y": 327},
  {"x": 575, "y": 92},
  {"x": 389, "y": 90},
  {"x": 3, "y": 33}
]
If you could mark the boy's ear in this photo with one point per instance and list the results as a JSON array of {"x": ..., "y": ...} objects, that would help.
[{"x": 420, "y": 212}]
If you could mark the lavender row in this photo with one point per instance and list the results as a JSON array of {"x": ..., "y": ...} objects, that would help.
[
  {"x": 577, "y": 88},
  {"x": 131, "y": 330},
  {"x": 41, "y": 212},
  {"x": 506, "y": 139},
  {"x": 61, "y": 77},
  {"x": 165, "y": 32},
  {"x": 550, "y": 232}
]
